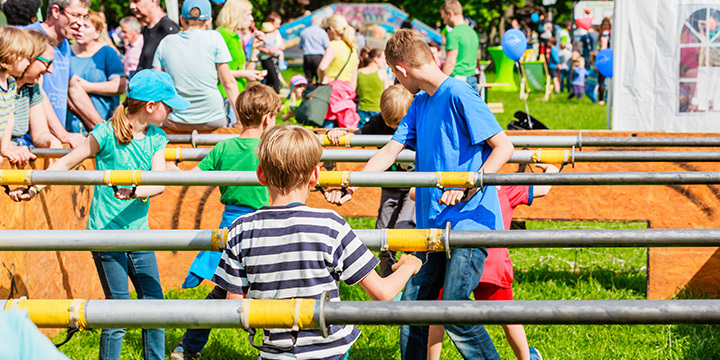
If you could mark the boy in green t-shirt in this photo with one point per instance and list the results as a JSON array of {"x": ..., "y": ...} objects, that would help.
[
  {"x": 256, "y": 107},
  {"x": 461, "y": 44}
]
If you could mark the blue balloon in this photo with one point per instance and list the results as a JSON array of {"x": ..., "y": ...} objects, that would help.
[
  {"x": 514, "y": 44},
  {"x": 604, "y": 62},
  {"x": 534, "y": 17}
]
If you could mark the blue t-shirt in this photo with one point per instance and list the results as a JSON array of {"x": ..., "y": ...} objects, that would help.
[
  {"x": 451, "y": 127},
  {"x": 56, "y": 83},
  {"x": 579, "y": 76},
  {"x": 103, "y": 66}
]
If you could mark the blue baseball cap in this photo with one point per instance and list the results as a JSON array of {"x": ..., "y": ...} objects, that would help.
[
  {"x": 202, "y": 5},
  {"x": 151, "y": 85}
]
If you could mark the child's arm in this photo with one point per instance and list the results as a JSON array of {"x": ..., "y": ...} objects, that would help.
[
  {"x": 381, "y": 161},
  {"x": 234, "y": 296},
  {"x": 502, "y": 150},
  {"x": 540, "y": 191},
  {"x": 385, "y": 289},
  {"x": 88, "y": 148},
  {"x": 146, "y": 191},
  {"x": 18, "y": 155},
  {"x": 334, "y": 136}
]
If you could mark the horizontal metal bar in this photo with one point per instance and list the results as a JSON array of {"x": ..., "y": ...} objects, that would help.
[
  {"x": 567, "y": 312},
  {"x": 196, "y": 240},
  {"x": 229, "y": 313},
  {"x": 361, "y": 179},
  {"x": 518, "y": 141},
  {"x": 408, "y": 156}
]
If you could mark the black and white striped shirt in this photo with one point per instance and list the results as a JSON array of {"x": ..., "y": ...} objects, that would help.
[{"x": 295, "y": 251}]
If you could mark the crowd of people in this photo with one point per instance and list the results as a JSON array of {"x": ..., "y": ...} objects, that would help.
[
  {"x": 189, "y": 77},
  {"x": 570, "y": 55}
]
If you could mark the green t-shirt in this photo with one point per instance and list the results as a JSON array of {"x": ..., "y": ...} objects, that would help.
[
  {"x": 106, "y": 211},
  {"x": 237, "y": 154},
  {"x": 235, "y": 45},
  {"x": 369, "y": 89},
  {"x": 465, "y": 40}
]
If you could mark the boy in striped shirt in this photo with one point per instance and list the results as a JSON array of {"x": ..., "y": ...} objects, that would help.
[{"x": 289, "y": 250}]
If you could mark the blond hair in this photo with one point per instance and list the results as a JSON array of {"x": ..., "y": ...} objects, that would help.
[
  {"x": 288, "y": 155},
  {"x": 97, "y": 21},
  {"x": 256, "y": 101},
  {"x": 408, "y": 47},
  {"x": 40, "y": 41},
  {"x": 452, "y": 5},
  {"x": 121, "y": 122},
  {"x": 231, "y": 15},
  {"x": 340, "y": 25},
  {"x": 394, "y": 104},
  {"x": 15, "y": 44}
]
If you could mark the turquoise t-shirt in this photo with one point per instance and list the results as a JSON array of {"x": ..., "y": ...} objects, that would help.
[
  {"x": 452, "y": 126},
  {"x": 103, "y": 66},
  {"x": 237, "y": 154},
  {"x": 465, "y": 40},
  {"x": 106, "y": 211}
]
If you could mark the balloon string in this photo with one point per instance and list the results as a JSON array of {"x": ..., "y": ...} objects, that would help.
[{"x": 527, "y": 110}]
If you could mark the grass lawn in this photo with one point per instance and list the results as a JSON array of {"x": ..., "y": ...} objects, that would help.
[{"x": 540, "y": 274}]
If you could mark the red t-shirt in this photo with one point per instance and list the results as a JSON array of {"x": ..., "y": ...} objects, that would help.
[{"x": 498, "y": 267}]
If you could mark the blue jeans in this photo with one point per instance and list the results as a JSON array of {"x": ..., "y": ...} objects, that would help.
[
  {"x": 194, "y": 340},
  {"x": 114, "y": 268},
  {"x": 565, "y": 82},
  {"x": 459, "y": 275}
]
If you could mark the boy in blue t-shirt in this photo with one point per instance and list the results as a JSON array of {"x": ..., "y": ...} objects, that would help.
[{"x": 456, "y": 132}]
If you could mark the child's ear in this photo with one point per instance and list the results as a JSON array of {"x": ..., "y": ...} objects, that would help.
[
  {"x": 315, "y": 177},
  {"x": 268, "y": 121},
  {"x": 150, "y": 106},
  {"x": 261, "y": 176},
  {"x": 401, "y": 68}
]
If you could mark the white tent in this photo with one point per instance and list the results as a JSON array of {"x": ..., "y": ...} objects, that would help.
[{"x": 666, "y": 65}]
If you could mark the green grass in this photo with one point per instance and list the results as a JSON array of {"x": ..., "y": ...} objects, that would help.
[{"x": 551, "y": 274}]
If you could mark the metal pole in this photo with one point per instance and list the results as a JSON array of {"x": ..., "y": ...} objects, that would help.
[
  {"x": 319, "y": 314},
  {"x": 347, "y": 178},
  {"x": 412, "y": 240},
  {"x": 519, "y": 141},
  {"x": 520, "y": 156}
]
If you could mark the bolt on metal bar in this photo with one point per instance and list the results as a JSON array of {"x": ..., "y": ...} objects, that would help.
[
  {"x": 392, "y": 239},
  {"x": 561, "y": 141},
  {"x": 347, "y": 178},
  {"x": 319, "y": 314}
]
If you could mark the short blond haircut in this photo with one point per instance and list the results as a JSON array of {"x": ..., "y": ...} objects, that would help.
[
  {"x": 408, "y": 47},
  {"x": 394, "y": 104},
  {"x": 288, "y": 155},
  {"x": 452, "y": 5},
  {"x": 231, "y": 15},
  {"x": 256, "y": 101},
  {"x": 15, "y": 44}
]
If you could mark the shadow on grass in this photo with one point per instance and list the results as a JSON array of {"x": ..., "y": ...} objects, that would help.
[{"x": 610, "y": 280}]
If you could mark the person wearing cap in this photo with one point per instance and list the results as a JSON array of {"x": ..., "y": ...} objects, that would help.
[
  {"x": 130, "y": 140},
  {"x": 196, "y": 59},
  {"x": 298, "y": 84}
]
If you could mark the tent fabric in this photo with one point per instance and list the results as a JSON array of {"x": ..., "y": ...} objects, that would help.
[{"x": 648, "y": 91}]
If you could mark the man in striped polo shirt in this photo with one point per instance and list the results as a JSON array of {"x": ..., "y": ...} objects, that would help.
[{"x": 289, "y": 250}]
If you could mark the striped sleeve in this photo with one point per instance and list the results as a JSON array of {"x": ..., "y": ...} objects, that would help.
[
  {"x": 354, "y": 260},
  {"x": 230, "y": 274}
]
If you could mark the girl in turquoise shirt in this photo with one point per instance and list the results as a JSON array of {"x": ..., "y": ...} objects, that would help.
[{"x": 131, "y": 140}]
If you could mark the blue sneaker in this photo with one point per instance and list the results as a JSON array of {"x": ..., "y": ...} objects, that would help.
[{"x": 535, "y": 354}]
